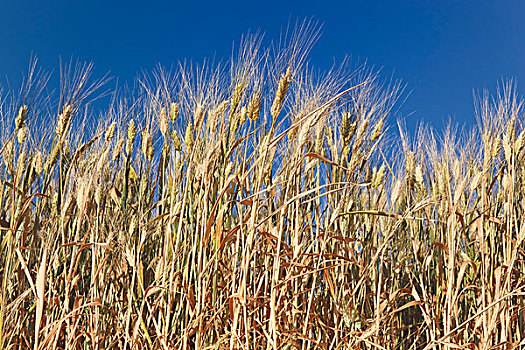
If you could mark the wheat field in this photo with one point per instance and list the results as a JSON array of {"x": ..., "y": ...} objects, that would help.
[{"x": 256, "y": 204}]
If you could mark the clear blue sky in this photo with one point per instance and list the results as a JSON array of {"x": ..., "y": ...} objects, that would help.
[{"x": 441, "y": 50}]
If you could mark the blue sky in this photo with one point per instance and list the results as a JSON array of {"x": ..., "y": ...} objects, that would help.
[{"x": 441, "y": 50}]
